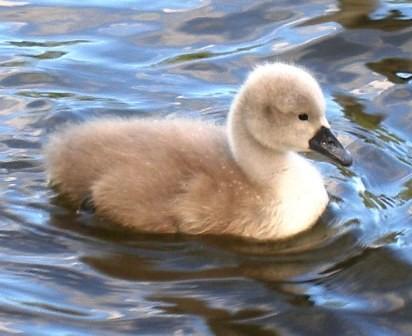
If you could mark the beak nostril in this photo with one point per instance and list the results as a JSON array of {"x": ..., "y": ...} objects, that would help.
[{"x": 329, "y": 141}]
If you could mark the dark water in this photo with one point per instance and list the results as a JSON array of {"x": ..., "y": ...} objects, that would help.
[{"x": 62, "y": 275}]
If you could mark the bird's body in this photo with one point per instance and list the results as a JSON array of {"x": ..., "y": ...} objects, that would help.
[
  {"x": 191, "y": 177},
  {"x": 137, "y": 177}
]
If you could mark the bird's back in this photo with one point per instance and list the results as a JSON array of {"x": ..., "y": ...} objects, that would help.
[{"x": 174, "y": 175}]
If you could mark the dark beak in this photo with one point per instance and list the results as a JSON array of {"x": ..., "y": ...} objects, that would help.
[{"x": 325, "y": 142}]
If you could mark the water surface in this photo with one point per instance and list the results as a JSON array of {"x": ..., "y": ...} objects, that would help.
[{"x": 63, "y": 275}]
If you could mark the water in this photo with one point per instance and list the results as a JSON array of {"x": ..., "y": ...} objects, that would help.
[{"x": 63, "y": 275}]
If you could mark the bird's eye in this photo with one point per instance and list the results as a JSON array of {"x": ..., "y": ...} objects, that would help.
[{"x": 303, "y": 116}]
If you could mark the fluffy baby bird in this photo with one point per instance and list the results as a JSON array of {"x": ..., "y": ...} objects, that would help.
[{"x": 193, "y": 177}]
